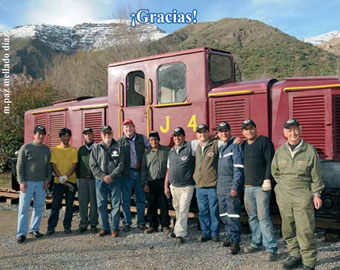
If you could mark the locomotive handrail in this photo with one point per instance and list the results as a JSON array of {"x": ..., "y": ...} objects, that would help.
[
  {"x": 301, "y": 88},
  {"x": 171, "y": 104},
  {"x": 95, "y": 106},
  {"x": 50, "y": 110},
  {"x": 241, "y": 92}
]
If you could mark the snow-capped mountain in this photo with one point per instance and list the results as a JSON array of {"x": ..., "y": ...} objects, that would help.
[
  {"x": 317, "y": 40},
  {"x": 89, "y": 35}
]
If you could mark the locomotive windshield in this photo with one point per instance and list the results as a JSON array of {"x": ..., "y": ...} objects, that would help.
[{"x": 220, "y": 68}]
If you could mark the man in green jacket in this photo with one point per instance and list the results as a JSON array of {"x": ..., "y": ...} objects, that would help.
[
  {"x": 86, "y": 185},
  {"x": 297, "y": 171},
  {"x": 205, "y": 177}
]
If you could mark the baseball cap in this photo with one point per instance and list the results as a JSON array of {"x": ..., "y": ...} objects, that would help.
[
  {"x": 248, "y": 122},
  {"x": 291, "y": 122},
  {"x": 223, "y": 126},
  {"x": 154, "y": 134},
  {"x": 106, "y": 129},
  {"x": 202, "y": 127},
  {"x": 87, "y": 130},
  {"x": 179, "y": 131},
  {"x": 128, "y": 122},
  {"x": 40, "y": 129}
]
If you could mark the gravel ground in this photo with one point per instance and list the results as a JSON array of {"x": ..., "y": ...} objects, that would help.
[{"x": 135, "y": 250}]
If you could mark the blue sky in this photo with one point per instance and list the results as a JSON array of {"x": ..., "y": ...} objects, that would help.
[{"x": 299, "y": 18}]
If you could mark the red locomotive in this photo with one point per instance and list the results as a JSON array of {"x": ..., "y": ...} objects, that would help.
[{"x": 204, "y": 85}]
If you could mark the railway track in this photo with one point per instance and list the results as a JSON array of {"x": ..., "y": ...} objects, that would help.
[{"x": 332, "y": 232}]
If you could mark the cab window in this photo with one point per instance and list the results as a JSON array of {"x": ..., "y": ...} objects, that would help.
[
  {"x": 135, "y": 89},
  {"x": 171, "y": 83},
  {"x": 220, "y": 68}
]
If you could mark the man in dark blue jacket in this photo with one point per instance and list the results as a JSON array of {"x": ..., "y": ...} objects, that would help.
[{"x": 229, "y": 186}]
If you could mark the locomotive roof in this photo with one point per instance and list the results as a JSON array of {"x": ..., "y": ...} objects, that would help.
[
  {"x": 72, "y": 104},
  {"x": 164, "y": 55}
]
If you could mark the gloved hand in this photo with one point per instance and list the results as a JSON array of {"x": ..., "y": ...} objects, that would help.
[
  {"x": 267, "y": 185},
  {"x": 70, "y": 187},
  {"x": 63, "y": 179}
]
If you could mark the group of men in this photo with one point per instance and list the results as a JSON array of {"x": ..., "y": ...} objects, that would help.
[{"x": 218, "y": 169}]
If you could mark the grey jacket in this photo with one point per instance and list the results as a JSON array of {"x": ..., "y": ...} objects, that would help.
[
  {"x": 154, "y": 164},
  {"x": 106, "y": 160},
  {"x": 34, "y": 163}
]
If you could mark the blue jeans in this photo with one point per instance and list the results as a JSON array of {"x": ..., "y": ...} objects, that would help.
[
  {"x": 230, "y": 208},
  {"x": 59, "y": 190},
  {"x": 113, "y": 191},
  {"x": 33, "y": 190},
  {"x": 128, "y": 183},
  {"x": 208, "y": 211},
  {"x": 256, "y": 203}
]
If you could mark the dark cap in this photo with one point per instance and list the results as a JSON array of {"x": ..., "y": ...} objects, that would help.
[
  {"x": 154, "y": 134},
  {"x": 291, "y": 122},
  {"x": 223, "y": 126},
  {"x": 179, "y": 131},
  {"x": 128, "y": 122},
  {"x": 248, "y": 122},
  {"x": 202, "y": 127},
  {"x": 87, "y": 130},
  {"x": 64, "y": 131},
  {"x": 40, "y": 129},
  {"x": 106, "y": 129}
]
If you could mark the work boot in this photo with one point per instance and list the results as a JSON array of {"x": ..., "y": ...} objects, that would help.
[
  {"x": 21, "y": 239},
  {"x": 250, "y": 249},
  {"x": 81, "y": 230},
  {"x": 37, "y": 234},
  {"x": 126, "y": 228},
  {"x": 102, "y": 233},
  {"x": 166, "y": 230},
  {"x": 180, "y": 239},
  {"x": 226, "y": 243},
  {"x": 203, "y": 239},
  {"x": 292, "y": 262},
  {"x": 234, "y": 248},
  {"x": 114, "y": 234},
  {"x": 94, "y": 229},
  {"x": 50, "y": 232},
  {"x": 142, "y": 227},
  {"x": 67, "y": 231},
  {"x": 271, "y": 257},
  {"x": 149, "y": 230},
  {"x": 215, "y": 239}
]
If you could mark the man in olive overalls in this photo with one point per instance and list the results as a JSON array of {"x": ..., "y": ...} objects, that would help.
[{"x": 297, "y": 171}]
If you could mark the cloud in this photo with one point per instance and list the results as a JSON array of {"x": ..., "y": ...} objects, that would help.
[
  {"x": 4, "y": 28},
  {"x": 67, "y": 12}
]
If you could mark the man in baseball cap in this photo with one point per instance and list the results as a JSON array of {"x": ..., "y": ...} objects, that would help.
[
  {"x": 107, "y": 163},
  {"x": 229, "y": 186},
  {"x": 34, "y": 175},
  {"x": 134, "y": 145},
  {"x": 86, "y": 185},
  {"x": 297, "y": 171},
  {"x": 258, "y": 154},
  {"x": 180, "y": 170},
  {"x": 205, "y": 177}
]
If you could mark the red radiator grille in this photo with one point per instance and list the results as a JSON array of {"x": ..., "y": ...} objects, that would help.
[
  {"x": 56, "y": 122},
  {"x": 94, "y": 120},
  {"x": 336, "y": 124},
  {"x": 234, "y": 111},
  {"x": 310, "y": 111}
]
